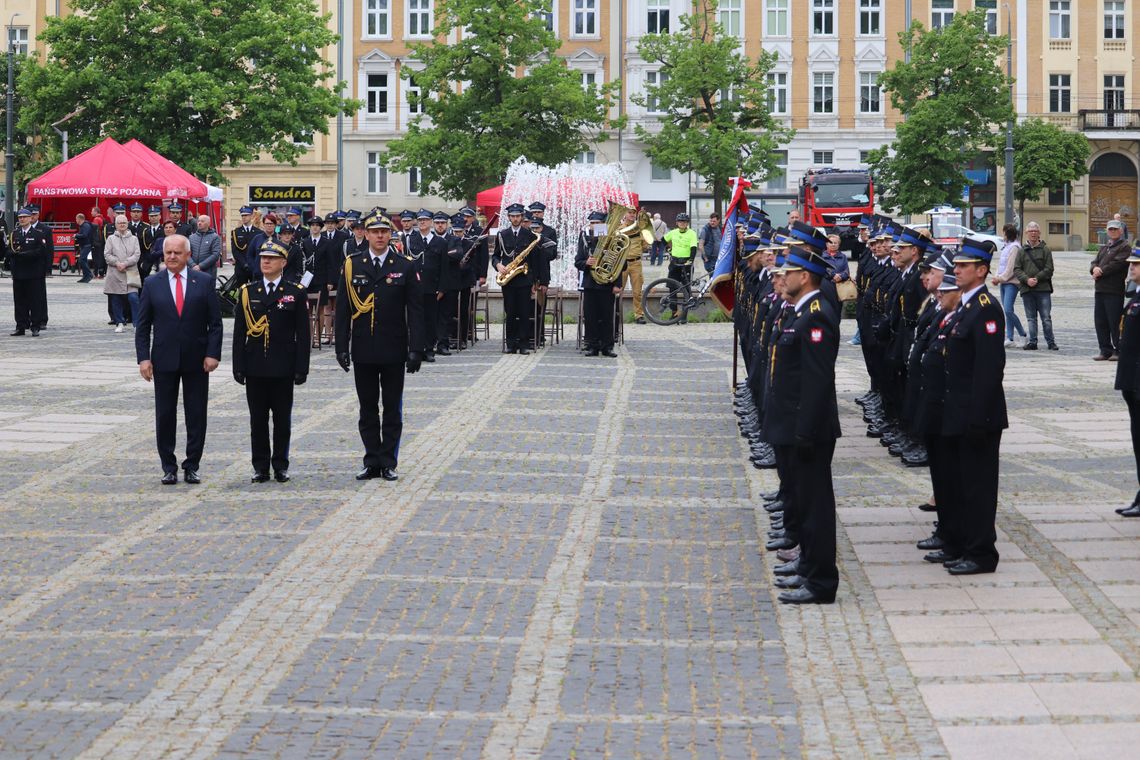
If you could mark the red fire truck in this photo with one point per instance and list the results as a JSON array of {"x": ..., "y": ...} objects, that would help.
[{"x": 835, "y": 199}]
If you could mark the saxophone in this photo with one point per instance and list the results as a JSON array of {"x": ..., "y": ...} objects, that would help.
[{"x": 518, "y": 264}]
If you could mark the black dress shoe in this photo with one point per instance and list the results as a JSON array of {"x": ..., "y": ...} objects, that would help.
[
  {"x": 17, "y": 332},
  {"x": 931, "y": 544},
  {"x": 968, "y": 567},
  {"x": 443, "y": 351},
  {"x": 803, "y": 596},
  {"x": 522, "y": 352},
  {"x": 430, "y": 358},
  {"x": 789, "y": 581},
  {"x": 774, "y": 506},
  {"x": 921, "y": 459},
  {"x": 592, "y": 352},
  {"x": 1133, "y": 511},
  {"x": 766, "y": 463},
  {"x": 777, "y": 533},
  {"x": 939, "y": 556},
  {"x": 35, "y": 332},
  {"x": 191, "y": 477},
  {"x": 609, "y": 352},
  {"x": 169, "y": 478},
  {"x": 367, "y": 473},
  {"x": 779, "y": 543},
  {"x": 281, "y": 476},
  {"x": 788, "y": 568},
  {"x": 770, "y": 496},
  {"x": 259, "y": 477},
  {"x": 388, "y": 473},
  {"x": 927, "y": 507}
]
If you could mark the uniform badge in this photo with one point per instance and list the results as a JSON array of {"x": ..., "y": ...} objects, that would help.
[
  {"x": 991, "y": 327},
  {"x": 816, "y": 335}
]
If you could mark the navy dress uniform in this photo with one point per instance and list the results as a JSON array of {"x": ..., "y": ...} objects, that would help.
[
  {"x": 472, "y": 268},
  {"x": 518, "y": 307},
  {"x": 149, "y": 232},
  {"x": 974, "y": 412},
  {"x": 270, "y": 356},
  {"x": 315, "y": 250},
  {"x": 1128, "y": 372},
  {"x": 183, "y": 227},
  {"x": 26, "y": 255},
  {"x": 241, "y": 237},
  {"x": 379, "y": 332},
  {"x": 597, "y": 298},
  {"x": 443, "y": 258},
  {"x": 801, "y": 419}
]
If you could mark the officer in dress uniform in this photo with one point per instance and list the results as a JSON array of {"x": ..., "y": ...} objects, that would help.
[
  {"x": 444, "y": 249},
  {"x": 537, "y": 211},
  {"x": 49, "y": 251},
  {"x": 293, "y": 221},
  {"x": 518, "y": 308},
  {"x": 801, "y": 419},
  {"x": 135, "y": 223},
  {"x": 314, "y": 250},
  {"x": 417, "y": 252},
  {"x": 296, "y": 264},
  {"x": 175, "y": 211},
  {"x": 404, "y": 228},
  {"x": 331, "y": 233},
  {"x": 974, "y": 412},
  {"x": 150, "y": 231},
  {"x": 270, "y": 356},
  {"x": 597, "y": 298},
  {"x": 379, "y": 324},
  {"x": 29, "y": 284},
  {"x": 1128, "y": 371},
  {"x": 472, "y": 267},
  {"x": 241, "y": 237}
]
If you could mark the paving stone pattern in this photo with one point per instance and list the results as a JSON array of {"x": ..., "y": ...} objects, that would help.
[{"x": 569, "y": 566}]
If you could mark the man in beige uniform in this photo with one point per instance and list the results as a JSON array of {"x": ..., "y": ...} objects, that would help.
[{"x": 633, "y": 273}]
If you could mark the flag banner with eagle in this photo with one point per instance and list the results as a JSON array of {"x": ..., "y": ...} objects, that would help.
[{"x": 721, "y": 287}]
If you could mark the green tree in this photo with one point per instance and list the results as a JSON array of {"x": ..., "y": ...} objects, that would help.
[
  {"x": 204, "y": 82},
  {"x": 954, "y": 96},
  {"x": 467, "y": 136},
  {"x": 714, "y": 101},
  {"x": 32, "y": 156},
  {"x": 1045, "y": 157}
]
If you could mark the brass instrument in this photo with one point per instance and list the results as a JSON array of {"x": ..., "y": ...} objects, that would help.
[
  {"x": 612, "y": 247},
  {"x": 518, "y": 264}
]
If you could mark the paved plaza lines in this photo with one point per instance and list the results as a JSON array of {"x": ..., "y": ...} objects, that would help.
[{"x": 569, "y": 566}]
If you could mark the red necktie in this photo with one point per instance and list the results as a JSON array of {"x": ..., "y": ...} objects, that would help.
[{"x": 178, "y": 293}]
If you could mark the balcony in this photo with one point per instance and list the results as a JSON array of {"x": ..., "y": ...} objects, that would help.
[{"x": 1097, "y": 120}]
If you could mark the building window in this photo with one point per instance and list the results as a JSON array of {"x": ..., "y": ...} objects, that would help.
[
  {"x": 657, "y": 22},
  {"x": 414, "y": 95},
  {"x": 376, "y": 18},
  {"x": 419, "y": 18},
  {"x": 1058, "y": 228},
  {"x": 777, "y": 16},
  {"x": 414, "y": 180},
  {"x": 585, "y": 18},
  {"x": 941, "y": 13},
  {"x": 991, "y": 14},
  {"x": 729, "y": 14},
  {"x": 1059, "y": 93},
  {"x": 823, "y": 92},
  {"x": 585, "y": 157},
  {"x": 1059, "y": 19},
  {"x": 589, "y": 80},
  {"x": 778, "y": 179},
  {"x": 870, "y": 12},
  {"x": 377, "y": 175},
  {"x": 659, "y": 173},
  {"x": 777, "y": 92},
  {"x": 1114, "y": 19},
  {"x": 548, "y": 16},
  {"x": 1061, "y": 196},
  {"x": 822, "y": 157},
  {"x": 869, "y": 95},
  {"x": 864, "y": 157},
  {"x": 18, "y": 39},
  {"x": 377, "y": 95},
  {"x": 654, "y": 79},
  {"x": 823, "y": 18},
  {"x": 1114, "y": 92}
]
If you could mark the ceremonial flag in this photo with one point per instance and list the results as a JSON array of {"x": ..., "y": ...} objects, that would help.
[{"x": 720, "y": 283}]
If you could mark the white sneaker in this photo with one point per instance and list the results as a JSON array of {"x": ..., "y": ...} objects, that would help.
[
  {"x": 1011, "y": 344},
  {"x": 119, "y": 328}
]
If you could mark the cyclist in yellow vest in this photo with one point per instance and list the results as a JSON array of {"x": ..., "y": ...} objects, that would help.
[{"x": 681, "y": 243}]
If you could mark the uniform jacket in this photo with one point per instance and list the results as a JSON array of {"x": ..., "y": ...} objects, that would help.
[
  {"x": 1112, "y": 260},
  {"x": 586, "y": 245},
  {"x": 509, "y": 244},
  {"x": 397, "y": 321},
  {"x": 241, "y": 249},
  {"x": 975, "y": 367},
  {"x": 146, "y": 236},
  {"x": 1128, "y": 365},
  {"x": 180, "y": 343},
  {"x": 315, "y": 254},
  {"x": 26, "y": 254},
  {"x": 287, "y": 352},
  {"x": 800, "y": 407},
  {"x": 907, "y": 299},
  {"x": 928, "y": 320},
  {"x": 476, "y": 267},
  {"x": 450, "y": 277},
  {"x": 931, "y": 377},
  {"x": 120, "y": 249}
]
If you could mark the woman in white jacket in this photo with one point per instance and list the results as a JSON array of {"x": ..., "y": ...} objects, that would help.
[{"x": 1004, "y": 278}]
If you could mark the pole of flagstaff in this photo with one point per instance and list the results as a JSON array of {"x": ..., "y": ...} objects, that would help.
[{"x": 735, "y": 332}]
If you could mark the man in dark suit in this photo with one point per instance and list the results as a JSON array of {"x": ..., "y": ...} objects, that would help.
[
  {"x": 379, "y": 328},
  {"x": 271, "y": 354},
  {"x": 518, "y": 305},
  {"x": 182, "y": 307}
]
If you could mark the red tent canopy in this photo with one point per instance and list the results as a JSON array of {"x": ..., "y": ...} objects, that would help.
[
  {"x": 164, "y": 167},
  {"x": 112, "y": 171}
]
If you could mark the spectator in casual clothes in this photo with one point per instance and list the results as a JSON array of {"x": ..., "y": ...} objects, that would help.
[
  {"x": 657, "y": 252},
  {"x": 205, "y": 248},
  {"x": 98, "y": 241},
  {"x": 122, "y": 254},
  {"x": 709, "y": 242},
  {"x": 1004, "y": 278},
  {"x": 1108, "y": 269},
  {"x": 838, "y": 268},
  {"x": 1033, "y": 274},
  {"x": 83, "y": 234}
]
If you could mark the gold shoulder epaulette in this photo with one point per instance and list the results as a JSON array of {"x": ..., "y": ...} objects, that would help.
[
  {"x": 983, "y": 299},
  {"x": 815, "y": 306}
]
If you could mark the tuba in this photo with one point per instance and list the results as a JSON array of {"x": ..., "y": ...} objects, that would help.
[{"x": 611, "y": 248}]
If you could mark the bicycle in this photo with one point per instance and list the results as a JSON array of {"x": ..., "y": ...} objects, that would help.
[{"x": 677, "y": 299}]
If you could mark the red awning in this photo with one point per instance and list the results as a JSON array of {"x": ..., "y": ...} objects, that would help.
[
  {"x": 164, "y": 167},
  {"x": 110, "y": 170}
]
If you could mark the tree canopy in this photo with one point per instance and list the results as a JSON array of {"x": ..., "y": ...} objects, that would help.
[
  {"x": 714, "y": 103},
  {"x": 1045, "y": 157},
  {"x": 205, "y": 82},
  {"x": 954, "y": 96},
  {"x": 467, "y": 135}
]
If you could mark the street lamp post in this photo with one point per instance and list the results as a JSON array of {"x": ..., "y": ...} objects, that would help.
[
  {"x": 9, "y": 153},
  {"x": 1009, "y": 124}
]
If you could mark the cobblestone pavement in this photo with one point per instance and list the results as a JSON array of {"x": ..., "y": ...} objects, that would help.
[{"x": 569, "y": 566}]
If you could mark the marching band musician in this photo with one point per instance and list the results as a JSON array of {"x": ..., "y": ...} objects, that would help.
[
  {"x": 518, "y": 307},
  {"x": 443, "y": 260},
  {"x": 315, "y": 251},
  {"x": 597, "y": 298},
  {"x": 472, "y": 267}
]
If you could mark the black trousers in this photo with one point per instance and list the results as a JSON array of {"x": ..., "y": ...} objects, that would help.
[
  {"x": 464, "y": 315},
  {"x": 448, "y": 309},
  {"x": 1132, "y": 399},
  {"x": 944, "y": 481},
  {"x": 784, "y": 459},
  {"x": 431, "y": 318},
  {"x": 681, "y": 273},
  {"x": 195, "y": 397},
  {"x": 975, "y": 498},
  {"x": 518, "y": 311},
  {"x": 1107, "y": 308},
  {"x": 598, "y": 317},
  {"x": 30, "y": 300},
  {"x": 265, "y": 396},
  {"x": 815, "y": 502},
  {"x": 380, "y": 385}
]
